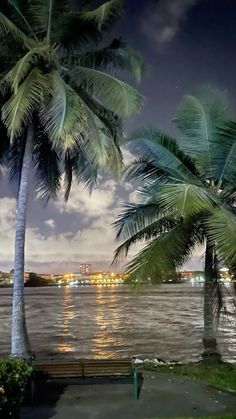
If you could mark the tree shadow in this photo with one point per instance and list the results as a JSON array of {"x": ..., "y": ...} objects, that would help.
[{"x": 41, "y": 399}]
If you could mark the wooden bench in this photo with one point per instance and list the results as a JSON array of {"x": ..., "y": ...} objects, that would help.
[{"x": 84, "y": 368}]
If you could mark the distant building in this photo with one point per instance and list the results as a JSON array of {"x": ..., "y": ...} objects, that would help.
[
  {"x": 85, "y": 268},
  {"x": 191, "y": 275}
]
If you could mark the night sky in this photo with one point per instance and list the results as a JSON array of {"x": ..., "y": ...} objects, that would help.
[{"x": 185, "y": 43}]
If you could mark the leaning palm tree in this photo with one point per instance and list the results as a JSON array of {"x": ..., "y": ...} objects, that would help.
[
  {"x": 62, "y": 98},
  {"x": 187, "y": 197}
]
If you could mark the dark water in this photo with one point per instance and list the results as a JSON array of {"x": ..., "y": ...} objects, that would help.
[{"x": 94, "y": 322}]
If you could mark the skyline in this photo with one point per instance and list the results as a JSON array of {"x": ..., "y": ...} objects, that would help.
[{"x": 184, "y": 43}]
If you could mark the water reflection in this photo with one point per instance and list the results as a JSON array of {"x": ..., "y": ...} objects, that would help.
[
  {"x": 67, "y": 315},
  {"x": 109, "y": 325}
]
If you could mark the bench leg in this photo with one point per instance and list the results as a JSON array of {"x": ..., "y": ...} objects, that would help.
[
  {"x": 32, "y": 390},
  {"x": 135, "y": 385}
]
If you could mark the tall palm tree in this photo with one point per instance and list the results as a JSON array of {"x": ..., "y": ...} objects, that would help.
[
  {"x": 187, "y": 199},
  {"x": 61, "y": 99}
]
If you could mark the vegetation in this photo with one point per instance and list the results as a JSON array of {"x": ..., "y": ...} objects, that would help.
[
  {"x": 14, "y": 376},
  {"x": 37, "y": 281},
  {"x": 187, "y": 199},
  {"x": 61, "y": 106}
]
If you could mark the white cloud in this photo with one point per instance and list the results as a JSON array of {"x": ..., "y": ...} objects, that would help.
[
  {"x": 162, "y": 20},
  {"x": 97, "y": 204},
  {"x": 51, "y": 223}
]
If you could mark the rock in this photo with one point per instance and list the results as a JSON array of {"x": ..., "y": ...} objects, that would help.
[{"x": 138, "y": 361}]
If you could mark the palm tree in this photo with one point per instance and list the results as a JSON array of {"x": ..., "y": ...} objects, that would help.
[
  {"x": 187, "y": 200},
  {"x": 62, "y": 99}
]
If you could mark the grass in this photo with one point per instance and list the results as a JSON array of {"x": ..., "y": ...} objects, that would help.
[{"x": 222, "y": 375}]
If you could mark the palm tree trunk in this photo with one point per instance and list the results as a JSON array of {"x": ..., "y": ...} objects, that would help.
[
  {"x": 19, "y": 341},
  {"x": 210, "y": 353}
]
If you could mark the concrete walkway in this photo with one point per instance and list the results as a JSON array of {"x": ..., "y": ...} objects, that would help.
[{"x": 162, "y": 395}]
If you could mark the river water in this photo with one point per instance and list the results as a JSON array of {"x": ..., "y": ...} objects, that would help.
[{"x": 114, "y": 322}]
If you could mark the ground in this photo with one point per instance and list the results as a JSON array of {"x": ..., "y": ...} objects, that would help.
[{"x": 162, "y": 395}]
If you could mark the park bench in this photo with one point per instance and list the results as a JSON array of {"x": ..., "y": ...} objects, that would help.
[{"x": 84, "y": 368}]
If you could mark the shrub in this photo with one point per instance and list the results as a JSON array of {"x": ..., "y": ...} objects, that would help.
[{"x": 14, "y": 376}]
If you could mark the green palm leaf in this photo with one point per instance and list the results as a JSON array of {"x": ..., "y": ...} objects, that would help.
[
  {"x": 22, "y": 68},
  {"x": 221, "y": 230},
  {"x": 184, "y": 199},
  {"x": 104, "y": 13},
  {"x": 116, "y": 57},
  {"x": 17, "y": 6},
  {"x": 134, "y": 218},
  {"x": 64, "y": 117},
  {"x": 225, "y": 155},
  {"x": 198, "y": 117},
  {"x": 46, "y": 16},
  {"x": 17, "y": 111},
  {"x": 108, "y": 119},
  {"x": 152, "y": 230},
  {"x": 8, "y": 28},
  {"x": 118, "y": 96},
  {"x": 47, "y": 168},
  {"x": 165, "y": 253},
  {"x": 166, "y": 155}
]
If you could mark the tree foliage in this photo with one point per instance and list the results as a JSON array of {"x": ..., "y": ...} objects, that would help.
[
  {"x": 187, "y": 188},
  {"x": 58, "y": 71}
]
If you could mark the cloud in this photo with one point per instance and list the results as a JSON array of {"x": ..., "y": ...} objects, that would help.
[
  {"x": 51, "y": 223},
  {"x": 60, "y": 249},
  {"x": 97, "y": 204},
  {"x": 162, "y": 20}
]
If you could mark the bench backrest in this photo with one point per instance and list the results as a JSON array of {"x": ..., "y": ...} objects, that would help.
[{"x": 84, "y": 368}]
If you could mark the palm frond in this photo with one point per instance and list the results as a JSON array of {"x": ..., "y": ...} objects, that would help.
[
  {"x": 164, "y": 253},
  {"x": 118, "y": 96},
  {"x": 104, "y": 14},
  {"x": 63, "y": 118},
  {"x": 19, "y": 9},
  {"x": 144, "y": 169},
  {"x": 22, "y": 68},
  {"x": 102, "y": 134},
  {"x": 68, "y": 175},
  {"x": 4, "y": 147},
  {"x": 197, "y": 118},
  {"x": 152, "y": 230},
  {"x": 8, "y": 28},
  {"x": 15, "y": 159},
  {"x": 134, "y": 218},
  {"x": 47, "y": 167},
  {"x": 182, "y": 199},
  {"x": 225, "y": 155},
  {"x": 115, "y": 57},
  {"x": 108, "y": 119},
  {"x": 221, "y": 230},
  {"x": 165, "y": 153},
  {"x": 74, "y": 34},
  {"x": 17, "y": 111},
  {"x": 46, "y": 14},
  {"x": 85, "y": 168}
]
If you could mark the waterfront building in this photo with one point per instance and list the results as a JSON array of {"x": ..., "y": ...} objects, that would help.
[{"x": 85, "y": 268}]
